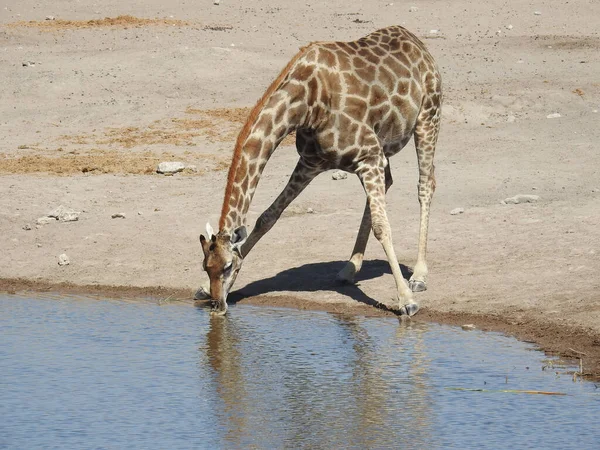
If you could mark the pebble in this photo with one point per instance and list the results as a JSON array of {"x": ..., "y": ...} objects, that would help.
[
  {"x": 310, "y": 211},
  {"x": 509, "y": 27},
  {"x": 537, "y": 13},
  {"x": 64, "y": 214},
  {"x": 457, "y": 211},
  {"x": 520, "y": 198},
  {"x": 50, "y": 18},
  {"x": 29, "y": 64},
  {"x": 413, "y": 9},
  {"x": 63, "y": 260},
  {"x": 339, "y": 175},
  {"x": 27, "y": 227},
  {"x": 170, "y": 167},
  {"x": 553, "y": 116},
  {"x": 433, "y": 31},
  {"x": 468, "y": 327},
  {"x": 38, "y": 245},
  {"x": 216, "y": 2},
  {"x": 118, "y": 216}
]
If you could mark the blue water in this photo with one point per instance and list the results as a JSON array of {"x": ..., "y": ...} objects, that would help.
[{"x": 92, "y": 373}]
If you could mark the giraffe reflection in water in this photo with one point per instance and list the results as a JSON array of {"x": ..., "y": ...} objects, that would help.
[{"x": 329, "y": 384}]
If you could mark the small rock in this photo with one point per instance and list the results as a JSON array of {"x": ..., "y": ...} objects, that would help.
[
  {"x": 27, "y": 227},
  {"x": 64, "y": 214},
  {"x": 537, "y": 13},
  {"x": 339, "y": 175},
  {"x": 63, "y": 260},
  {"x": 216, "y": 2},
  {"x": 433, "y": 31},
  {"x": 457, "y": 211},
  {"x": 509, "y": 27},
  {"x": 521, "y": 198},
  {"x": 413, "y": 9},
  {"x": 594, "y": 110},
  {"x": 140, "y": 213},
  {"x": 38, "y": 245},
  {"x": 45, "y": 220},
  {"x": 50, "y": 18},
  {"x": 118, "y": 216},
  {"x": 553, "y": 116},
  {"x": 170, "y": 167},
  {"x": 310, "y": 211},
  {"x": 468, "y": 327},
  {"x": 29, "y": 64}
]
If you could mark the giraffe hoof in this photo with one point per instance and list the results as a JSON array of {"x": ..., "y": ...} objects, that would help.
[
  {"x": 409, "y": 309},
  {"x": 417, "y": 286},
  {"x": 202, "y": 294},
  {"x": 346, "y": 275}
]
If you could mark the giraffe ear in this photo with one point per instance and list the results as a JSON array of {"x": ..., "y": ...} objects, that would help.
[
  {"x": 209, "y": 230},
  {"x": 238, "y": 237}
]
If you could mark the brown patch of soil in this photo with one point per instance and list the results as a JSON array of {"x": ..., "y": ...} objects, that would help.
[
  {"x": 567, "y": 342},
  {"x": 123, "y": 21}
]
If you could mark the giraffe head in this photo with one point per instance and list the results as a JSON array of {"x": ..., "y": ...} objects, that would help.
[{"x": 222, "y": 261}]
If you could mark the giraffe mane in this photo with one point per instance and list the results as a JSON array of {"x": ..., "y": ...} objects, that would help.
[{"x": 245, "y": 132}]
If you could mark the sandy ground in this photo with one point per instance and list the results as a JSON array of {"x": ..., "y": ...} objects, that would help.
[{"x": 88, "y": 107}]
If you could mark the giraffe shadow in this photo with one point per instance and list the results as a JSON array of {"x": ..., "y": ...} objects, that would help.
[{"x": 316, "y": 277}]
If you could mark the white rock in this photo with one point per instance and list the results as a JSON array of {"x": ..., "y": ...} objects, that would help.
[
  {"x": 413, "y": 9},
  {"x": 45, "y": 220},
  {"x": 468, "y": 327},
  {"x": 339, "y": 175},
  {"x": 537, "y": 13},
  {"x": 216, "y": 2},
  {"x": 457, "y": 211},
  {"x": 38, "y": 245},
  {"x": 594, "y": 110},
  {"x": 509, "y": 27},
  {"x": 310, "y": 211},
  {"x": 553, "y": 116},
  {"x": 118, "y": 216},
  {"x": 64, "y": 214},
  {"x": 63, "y": 260},
  {"x": 170, "y": 167},
  {"x": 521, "y": 198},
  {"x": 433, "y": 31},
  {"x": 50, "y": 18}
]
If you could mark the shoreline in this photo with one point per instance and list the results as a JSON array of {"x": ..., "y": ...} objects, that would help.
[{"x": 568, "y": 342}]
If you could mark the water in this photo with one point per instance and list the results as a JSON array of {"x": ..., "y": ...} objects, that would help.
[{"x": 85, "y": 373}]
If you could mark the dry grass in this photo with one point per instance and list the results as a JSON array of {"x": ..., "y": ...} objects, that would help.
[
  {"x": 125, "y": 21},
  {"x": 118, "y": 150}
]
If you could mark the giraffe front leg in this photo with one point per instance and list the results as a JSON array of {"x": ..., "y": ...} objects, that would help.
[
  {"x": 300, "y": 178},
  {"x": 372, "y": 178}
]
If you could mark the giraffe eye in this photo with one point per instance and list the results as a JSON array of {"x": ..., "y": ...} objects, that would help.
[{"x": 227, "y": 267}]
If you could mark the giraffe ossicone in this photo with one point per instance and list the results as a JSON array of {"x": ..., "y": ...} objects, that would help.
[{"x": 353, "y": 105}]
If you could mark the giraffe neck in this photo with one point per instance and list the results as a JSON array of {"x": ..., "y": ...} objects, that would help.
[{"x": 273, "y": 118}]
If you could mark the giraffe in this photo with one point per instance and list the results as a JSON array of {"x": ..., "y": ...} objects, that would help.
[{"x": 353, "y": 105}]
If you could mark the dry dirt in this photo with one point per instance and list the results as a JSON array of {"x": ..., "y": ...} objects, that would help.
[{"x": 90, "y": 102}]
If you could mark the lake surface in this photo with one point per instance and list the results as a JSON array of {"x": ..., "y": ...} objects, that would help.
[{"x": 92, "y": 373}]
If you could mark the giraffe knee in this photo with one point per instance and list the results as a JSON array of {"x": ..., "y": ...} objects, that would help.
[{"x": 380, "y": 230}]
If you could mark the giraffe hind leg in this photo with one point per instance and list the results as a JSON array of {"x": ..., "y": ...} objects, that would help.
[
  {"x": 426, "y": 134},
  {"x": 353, "y": 266}
]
